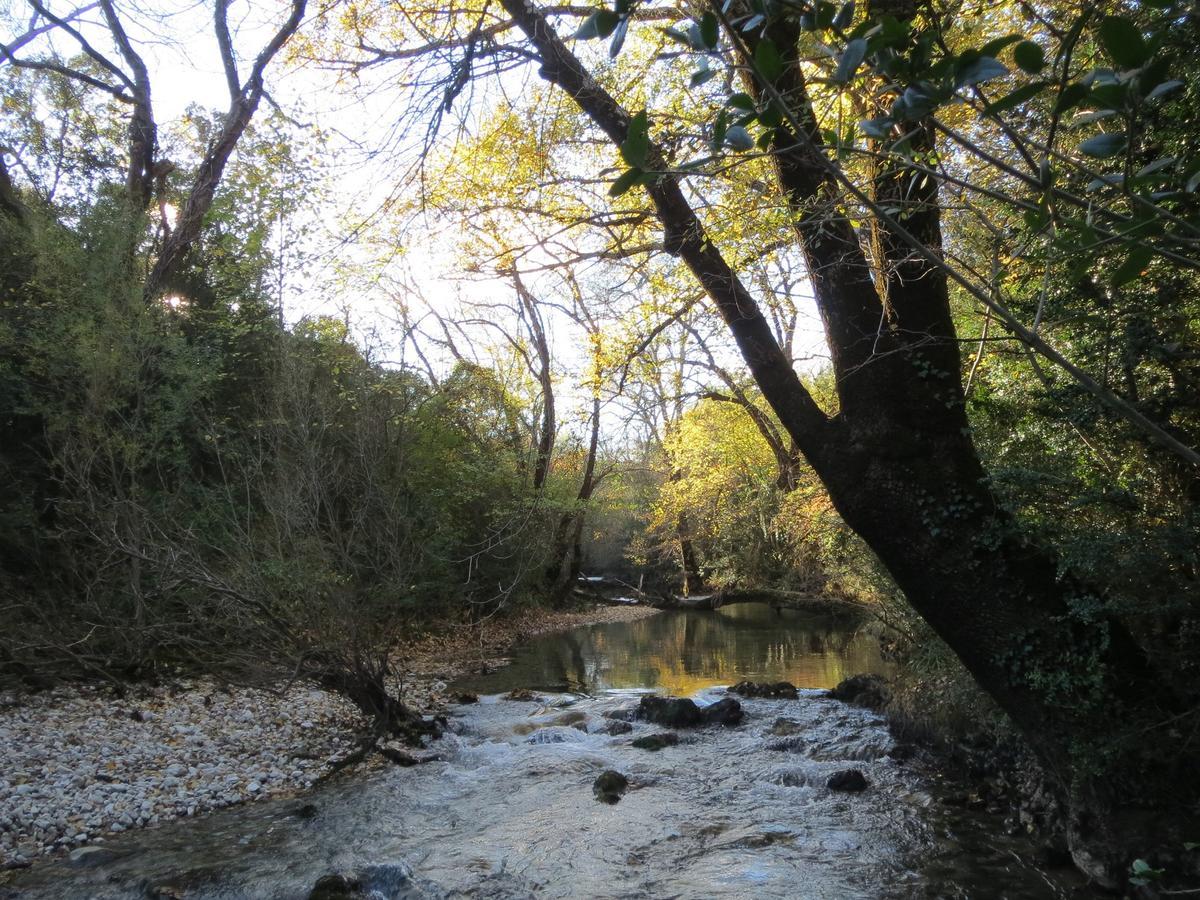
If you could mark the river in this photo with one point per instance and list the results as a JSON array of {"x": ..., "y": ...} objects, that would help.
[{"x": 508, "y": 810}]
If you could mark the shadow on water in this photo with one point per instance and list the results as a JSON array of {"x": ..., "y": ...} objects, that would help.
[{"x": 681, "y": 652}]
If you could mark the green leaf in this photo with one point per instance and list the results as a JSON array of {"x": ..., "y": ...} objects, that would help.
[
  {"x": 1017, "y": 97},
  {"x": 629, "y": 179},
  {"x": 844, "y": 16},
  {"x": 599, "y": 24},
  {"x": 1162, "y": 90},
  {"x": 1134, "y": 265},
  {"x": 739, "y": 138},
  {"x": 1157, "y": 166},
  {"x": 678, "y": 36},
  {"x": 1090, "y": 118},
  {"x": 1102, "y": 146},
  {"x": 852, "y": 58},
  {"x": 768, "y": 60},
  {"x": 1112, "y": 96},
  {"x": 710, "y": 31},
  {"x": 618, "y": 38},
  {"x": 702, "y": 75},
  {"x": 636, "y": 146},
  {"x": 1030, "y": 57},
  {"x": 740, "y": 101},
  {"x": 880, "y": 129},
  {"x": 985, "y": 68},
  {"x": 1070, "y": 97},
  {"x": 994, "y": 46},
  {"x": 720, "y": 129},
  {"x": 1123, "y": 42}
]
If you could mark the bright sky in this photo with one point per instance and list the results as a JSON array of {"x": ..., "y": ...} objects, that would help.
[{"x": 176, "y": 39}]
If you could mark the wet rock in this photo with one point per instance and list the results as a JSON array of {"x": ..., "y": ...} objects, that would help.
[
  {"x": 850, "y": 780},
  {"x": 87, "y": 857},
  {"x": 779, "y": 690},
  {"x": 869, "y": 691},
  {"x": 727, "y": 712},
  {"x": 671, "y": 712},
  {"x": 305, "y": 811},
  {"x": 678, "y": 712},
  {"x": 617, "y": 726},
  {"x": 655, "y": 742},
  {"x": 403, "y": 756},
  {"x": 522, "y": 695},
  {"x": 553, "y": 735},
  {"x": 392, "y": 880},
  {"x": 624, "y": 714},
  {"x": 335, "y": 887},
  {"x": 466, "y": 697},
  {"x": 573, "y": 717},
  {"x": 785, "y": 727},
  {"x": 609, "y": 786}
]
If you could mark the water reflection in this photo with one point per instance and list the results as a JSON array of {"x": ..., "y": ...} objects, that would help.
[{"x": 681, "y": 652}]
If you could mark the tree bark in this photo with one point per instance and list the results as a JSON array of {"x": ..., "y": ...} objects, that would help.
[{"x": 898, "y": 460}]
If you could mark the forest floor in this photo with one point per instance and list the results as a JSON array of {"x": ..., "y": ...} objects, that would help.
[{"x": 78, "y": 762}]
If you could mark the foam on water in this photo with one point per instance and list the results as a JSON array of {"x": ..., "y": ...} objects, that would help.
[{"x": 508, "y": 812}]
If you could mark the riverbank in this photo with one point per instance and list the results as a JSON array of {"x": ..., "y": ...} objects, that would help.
[{"x": 78, "y": 763}]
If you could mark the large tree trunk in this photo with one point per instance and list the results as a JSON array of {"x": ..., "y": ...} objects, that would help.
[{"x": 898, "y": 459}]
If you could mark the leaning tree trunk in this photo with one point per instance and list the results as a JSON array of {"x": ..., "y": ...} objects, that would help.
[{"x": 898, "y": 459}]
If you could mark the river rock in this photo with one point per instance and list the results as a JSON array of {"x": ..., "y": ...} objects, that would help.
[
  {"x": 335, "y": 887},
  {"x": 618, "y": 726},
  {"x": 671, "y": 712},
  {"x": 609, "y": 786},
  {"x": 785, "y": 727},
  {"x": 727, "y": 712},
  {"x": 869, "y": 691},
  {"x": 779, "y": 690},
  {"x": 466, "y": 697},
  {"x": 655, "y": 742},
  {"x": 87, "y": 857},
  {"x": 849, "y": 780},
  {"x": 522, "y": 695}
]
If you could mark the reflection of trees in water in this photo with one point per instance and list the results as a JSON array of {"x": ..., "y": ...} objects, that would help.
[{"x": 685, "y": 651}]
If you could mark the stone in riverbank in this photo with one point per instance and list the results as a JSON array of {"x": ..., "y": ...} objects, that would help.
[
  {"x": 679, "y": 712},
  {"x": 779, "y": 690},
  {"x": 656, "y": 742},
  {"x": 849, "y": 780},
  {"x": 76, "y": 765},
  {"x": 609, "y": 786},
  {"x": 869, "y": 691}
]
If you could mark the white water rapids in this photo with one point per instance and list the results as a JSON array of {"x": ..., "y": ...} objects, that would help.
[{"x": 508, "y": 812}]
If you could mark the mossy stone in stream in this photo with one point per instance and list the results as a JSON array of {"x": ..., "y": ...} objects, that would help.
[
  {"x": 609, "y": 786},
  {"x": 655, "y": 742}
]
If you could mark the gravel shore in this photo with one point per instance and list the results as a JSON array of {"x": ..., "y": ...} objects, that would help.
[{"x": 78, "y": 763}]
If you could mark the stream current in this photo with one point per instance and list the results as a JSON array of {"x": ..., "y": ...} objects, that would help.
[{"x": 507, "y": 811}]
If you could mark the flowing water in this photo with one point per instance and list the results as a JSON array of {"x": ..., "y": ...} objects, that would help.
[{"x": 508, "y": 810}]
